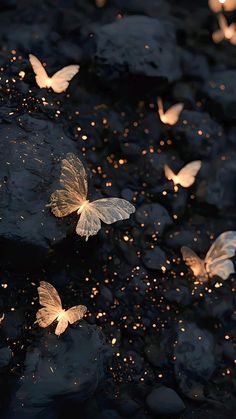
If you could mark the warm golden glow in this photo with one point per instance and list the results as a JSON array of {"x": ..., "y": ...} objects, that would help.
[{"x": 171, "y": 116}]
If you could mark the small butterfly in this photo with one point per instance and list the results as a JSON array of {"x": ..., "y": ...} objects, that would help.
[
  {"x": 219, "y": 5},
  {"x": 186, "y": 176},
  {"x": 216, "y": 261},
  {"x": 74, "y": 198},
  {"x": 171, "y": 116},
  {"x": 52, "y": 309},
  {"x": 100, "y": 3},
  {"x": 226, "y": 31},
  {"x": 59, "y": 82}
]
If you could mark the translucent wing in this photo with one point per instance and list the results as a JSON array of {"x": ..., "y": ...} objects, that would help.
[
  {"x": 221, "y": 250},
  {"x": 221, "y": 268},
  {"x": 74, "y": 180},
  {"x": 218, "y": 36},
  {"x": 42, "y": 78},
  {"x": 193, "y": 261},
  {"x": 89, "y": 223},
  {"x": 169, "y": 174},
  {"x": 45, "y": 316},
  {"x": 75, "y": 313},
  {"x": 233, "y": 39},
  {"x": 60, "y": 80},
  {"x": 73, "y": 176},
  {"x": 48, "y": 296},
  {"x": 186, "y": 176},
  {"x": 108, "y": 210},
  {"x": 61, "y": 325},
  {"x": 215, "y": 5},
  {"x": 171, "y": 116},
  {"x": 111, "y": 210},
  {"x": 51, "y": 302}
]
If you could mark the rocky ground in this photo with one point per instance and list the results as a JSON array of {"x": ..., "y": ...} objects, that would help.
[{"x": 153, "y": 343}]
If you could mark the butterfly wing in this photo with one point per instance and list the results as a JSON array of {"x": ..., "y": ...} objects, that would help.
[
  {"x": 193, "y": 261},
  {"x": 61, "y": 325},
  {"x": 215, "y": 5},
  {"x": 173, "y": 113},
  {"x": 169, "y": 174},
  {"x": 221, "y": 250},
  {"x": 108, "y": 210},
  {"x": 186, "y": 176},
  {"x": 39, "y": 70},
  {"x": 89, "y": 223},
  {"x": 111, "y": 210},
  {"x": 75, "y": 313},
  {"x": 51, "y": 302},
  {"x": 218, "y": 36},
  {"x": 229, "y": 5},
  {"x": 60, "y": 80},
  {"x": 74, "y": 181}
]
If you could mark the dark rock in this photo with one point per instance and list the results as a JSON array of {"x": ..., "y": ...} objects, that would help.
[
  {"x": 195, "y": 65},
  {"x": 70, "y": 367},
  {"x": 109, "y": 414},
  {"x": 155, "y": 259},
  {"x": 136, "y": 45},
  {"x": 164, "y": 401},
  {"x": 200, "y": 136},
  {"x": 5, "y": 356},
  {"x": 153, "y": 218},
  {"x": 219, "y": 189},
  {"x": 220, "y": 90},
  {"x": 31, "y": 151},
  {"x": 127, "y": 407},
  {"x": 195, "y": 359}
]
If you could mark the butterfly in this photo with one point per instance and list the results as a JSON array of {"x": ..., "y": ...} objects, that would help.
[
  {"x": 225, "y": 32},
  {"x": 59, "y": 82},
  {"x": 52, "y": 309},
  {"x": 73, "y": 197},
  {"x": 216, "y": 261},
  {"x": 171, "y": 116},
  {"x": 217, "y": 5},
  {"x": 186, "y": 176}
]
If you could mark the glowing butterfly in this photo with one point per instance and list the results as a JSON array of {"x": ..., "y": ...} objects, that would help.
[
  {"x": 59, "y": 82},
  {"x": 100, "y": 3},
  {"x": 219, "y": 5},
  {"x": 74, "y": 198},
  {"x": 186, "y": 176},
  {"x": 171, "y": 116},
  {"x": 216, "y": 261},
  {"x": 225, "y": 32},
  {"x": 52, "y": 309}
]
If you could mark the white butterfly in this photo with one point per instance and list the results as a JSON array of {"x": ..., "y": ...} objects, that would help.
[
  {"x": 59, "y": 82},
  {"x": 171, "y": 116},
  {"x": 217, "y": 5},
  {"x": 74, "y": 198},
  {"x": 216, "y": 261},
  {"x": 52, "y": 309},
  {"x": 225, "y": 32},
  {"x": 186, "y": 176}
]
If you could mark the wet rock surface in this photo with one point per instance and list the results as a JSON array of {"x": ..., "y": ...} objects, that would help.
[{"x": 152, "y": 333}]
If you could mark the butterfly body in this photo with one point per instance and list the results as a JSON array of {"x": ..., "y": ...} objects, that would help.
[
  {"x": 217, "y": 261},
  {"x": 73, "y": 198},
  {"x": 59, "y": 82},
  {"x": 226, "y": 31},
  {"x": 52, "y": 309}
]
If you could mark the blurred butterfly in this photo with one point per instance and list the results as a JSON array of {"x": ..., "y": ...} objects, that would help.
[
  {"x": 59, "y": 82},
  {"x": 225, "y": 32},
  {"x": 186, "y": 176},
  {"x": 74, "y": 198},
  {"x": 216, "y": 261},
  {"x": 217, "y": 5},
  {"x": 52, "y": 309},
  {"x": 171, "y": 116},
  {"x": 100, "y": 3}
]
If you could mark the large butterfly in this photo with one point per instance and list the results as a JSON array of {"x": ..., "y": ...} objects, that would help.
[
  {"x": 171, "y": 116},
  {"x": 52, "y": 309},
  {"x": 186, "y": 176},
  {"x": 216, "y": 261},
  {"x": 219, "y": 5},
  {"x": 226, "y": 31},
  {"x": 59, "y": 82},
  {"x": 73, "y": 197}
]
